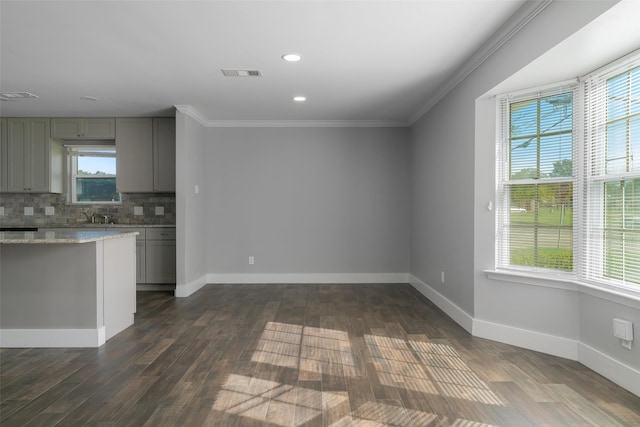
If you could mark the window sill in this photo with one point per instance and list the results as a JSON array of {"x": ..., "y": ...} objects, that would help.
[{"x": 568, "y": 282}]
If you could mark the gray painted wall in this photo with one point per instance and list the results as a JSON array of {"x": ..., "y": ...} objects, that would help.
[
  {"x": 191, "y": 219},
  {"x": 307, "y": 200},
  {"x": 453, "y": 146},
  {"x": 446, "y": 174}
]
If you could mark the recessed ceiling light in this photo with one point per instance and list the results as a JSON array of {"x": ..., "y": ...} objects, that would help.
[
  {"x": 299, "y": 98},
  {"x": 291, "y": 57},
  {"x": 88, "y": 98}
]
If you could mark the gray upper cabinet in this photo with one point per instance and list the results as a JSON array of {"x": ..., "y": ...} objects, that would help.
[
  {"x": 3, "y": 154},
  {"x": 83, "y": 128},
  {"x": 34, "y": 160},
  {"x": 134, "y": 155},
  {"x": 164, "y": 154},
  {"x": 145, "y": 153}
]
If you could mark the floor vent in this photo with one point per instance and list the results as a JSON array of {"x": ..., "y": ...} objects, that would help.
[{"x": 241, "y": 73}]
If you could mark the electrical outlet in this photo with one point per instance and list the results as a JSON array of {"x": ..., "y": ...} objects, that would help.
[
  {"x": 159, "y": 210},
  {"x": 138, "y": 210},
  {"x": 49, "y": 210},
  {"x": 251, "y": 260},
  {"x": 28, "y": 210}
]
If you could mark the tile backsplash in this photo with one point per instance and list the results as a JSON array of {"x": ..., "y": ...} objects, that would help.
[{"x": 53, "y": 209}]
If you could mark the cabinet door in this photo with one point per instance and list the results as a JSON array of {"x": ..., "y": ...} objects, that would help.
[
  {"x": 134, "y": 154},
  {"x": 28, "y": 156},
  {"x": 99, "y": 128},
  {"x": 161, "y": 261},
  {"x": 164, "y": 154},
  {"x": 66, "y": 128},
  {"x": 3, "y": 155},
  {"x": 140, "y": 262},
  {"x": 38, "y": 165},
  {"x": 17, "y": 137},
  {"x": 83, "y": 128}
]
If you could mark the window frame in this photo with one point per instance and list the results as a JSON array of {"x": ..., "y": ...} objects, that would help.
[
  {"x": 504, "y": 182},
  {"x": 73, "y": 152},
  {"x": 584, "y": 275}
]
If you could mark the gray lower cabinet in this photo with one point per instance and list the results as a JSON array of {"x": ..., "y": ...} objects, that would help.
[
  {"x": 160, "y": 256},
  {"x": 155, "y": 252}
]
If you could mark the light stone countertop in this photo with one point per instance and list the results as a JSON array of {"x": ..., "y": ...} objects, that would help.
[{"x": 60, "y": 236}]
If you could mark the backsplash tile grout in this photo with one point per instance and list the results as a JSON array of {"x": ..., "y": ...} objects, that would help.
[{"x": 13, "y": 209}]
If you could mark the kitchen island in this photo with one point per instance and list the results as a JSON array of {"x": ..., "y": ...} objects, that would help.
[{"x": 66, "y": 288}]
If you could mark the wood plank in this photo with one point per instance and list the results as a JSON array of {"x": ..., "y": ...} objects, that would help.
[{"x": 332, "y": 354}]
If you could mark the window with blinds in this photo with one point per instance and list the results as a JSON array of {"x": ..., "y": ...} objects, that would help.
[
  {"x": 535, "y": 222},
  {"x": 568, "y": 178},
  {"x": 612, "y": 187}
]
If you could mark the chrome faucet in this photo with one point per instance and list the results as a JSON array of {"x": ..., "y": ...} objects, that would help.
[{"x": 91, "y": 219}]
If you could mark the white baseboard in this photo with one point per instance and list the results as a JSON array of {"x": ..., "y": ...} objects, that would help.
[
  {"x": 303, "y": 278},
  {"x": 184, "y": 290},
  {"x": 623, "y": 375},
  {"x": 460, "y": 316},
  {"x": 537, "y": 341},
  {"x": 144, "y": 287},
  {"x": 43, "y": 338}
]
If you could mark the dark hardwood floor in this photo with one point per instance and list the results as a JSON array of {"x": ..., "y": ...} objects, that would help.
[{"x": 302, "y": 355}]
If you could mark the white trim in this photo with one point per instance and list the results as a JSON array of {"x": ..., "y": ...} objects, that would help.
[
  {"x": 184, "y": 290},
  {"x": 512, "y": 27},
  {"x": 527, "y": 278},
  {"x": 618, "y": 295},
  {"x": 144, "y": 287},
  {"x": 623, "y": 375},
  {"x": 346, "y": 278},
  {"x": 306, "y": 123},
  {"x": 188, "y": 110},
  {"x": 197, "y": 116},
  {"x": 532, "y": 340},
  {"x": 460, "y": 316},
  {"x": 44, "y": 338}
]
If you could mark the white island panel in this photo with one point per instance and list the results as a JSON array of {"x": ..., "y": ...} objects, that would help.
[{"x": 66, "y": 294}]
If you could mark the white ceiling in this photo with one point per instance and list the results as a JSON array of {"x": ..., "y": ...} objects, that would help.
[{"x": 379, "y": 61}]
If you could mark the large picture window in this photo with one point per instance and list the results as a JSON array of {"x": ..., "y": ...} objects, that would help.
[
  {"x": 93, "y": 175},
  {"x": 568, "y": 179}
]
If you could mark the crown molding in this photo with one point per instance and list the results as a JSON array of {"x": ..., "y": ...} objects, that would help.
[
  {"x": 188, "y": 110},
  {"x": 197, "y": 116},
  {"x": 305, "y": 123},
  {"x": 517, "y": 22}
]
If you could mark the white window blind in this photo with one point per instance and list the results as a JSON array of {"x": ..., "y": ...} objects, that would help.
[
  {"x": 611, "y": 246},
  {"x": 535, "y": 170}
]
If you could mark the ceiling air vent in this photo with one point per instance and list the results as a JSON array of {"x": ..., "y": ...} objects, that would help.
[
  {"x": 241, "y": 73},
  {"x": 17, "y": 95}
]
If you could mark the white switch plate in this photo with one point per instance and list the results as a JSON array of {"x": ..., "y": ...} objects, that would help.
[
  {"x": 49, "y": 210},
  {"x": 159, "y": 210},
  {"x": 28, "y": 210},
  {"x": 196, "y": 189},
  {"x": 1, "y": 210},
  {"x": 138, "y": 210},
  {"x": 251, "y": 260}
]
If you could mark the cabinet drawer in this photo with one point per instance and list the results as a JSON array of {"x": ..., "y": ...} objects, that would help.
[{"x": 161, "y": 233}]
